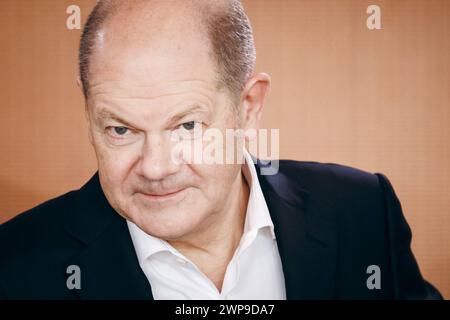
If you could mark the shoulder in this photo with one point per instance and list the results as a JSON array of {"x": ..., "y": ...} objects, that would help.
[
  {"x": 36, "y": 231},
  {"x": 341, "y": 179},
  {"x": 34, "y": 246},
  {"x": 339, "y": 192},
  {"x": 51, "y": 215},
  {"x": 42, "y": 217}
]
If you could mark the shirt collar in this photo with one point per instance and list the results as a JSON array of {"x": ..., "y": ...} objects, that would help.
[
  {"x": 145, "y": 244},
  {"x": 257, "y": 217}
]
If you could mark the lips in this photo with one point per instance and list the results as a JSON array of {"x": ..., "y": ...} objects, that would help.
[{"x": 162, "y": 195}]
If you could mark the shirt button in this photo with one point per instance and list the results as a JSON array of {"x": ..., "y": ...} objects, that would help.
[{"x": 181, "y": 261}]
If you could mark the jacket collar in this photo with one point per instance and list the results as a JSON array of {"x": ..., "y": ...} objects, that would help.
[{"x": 306, "y": 242}]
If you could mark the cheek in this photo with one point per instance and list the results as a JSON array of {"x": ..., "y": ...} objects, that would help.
[
  {"x": 216, "y": 180},
  {"x": 114, "y": 165}
]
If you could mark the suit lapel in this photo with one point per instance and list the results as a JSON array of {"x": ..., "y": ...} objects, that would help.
[
  {"x": 108, "y": 263},
  {"x": 307, "y": 244}
]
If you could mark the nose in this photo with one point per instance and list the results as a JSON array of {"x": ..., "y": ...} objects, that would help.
[{"x": 156, "y": 161}]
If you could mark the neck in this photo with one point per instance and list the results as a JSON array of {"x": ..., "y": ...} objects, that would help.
[{"x": 212, "y": 248}]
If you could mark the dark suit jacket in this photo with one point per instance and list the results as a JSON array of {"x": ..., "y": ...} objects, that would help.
[{"x": 331, "y": 223}]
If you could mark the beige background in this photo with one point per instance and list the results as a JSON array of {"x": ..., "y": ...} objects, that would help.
[{"x": 377, "y": 100}]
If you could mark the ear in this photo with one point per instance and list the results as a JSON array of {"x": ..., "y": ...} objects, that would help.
[{"x": 252, "y": 100}]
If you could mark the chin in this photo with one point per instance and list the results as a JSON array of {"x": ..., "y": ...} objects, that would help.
[
  {"x": 169, "y": 233},
  {"x": 167, "y": 224}
]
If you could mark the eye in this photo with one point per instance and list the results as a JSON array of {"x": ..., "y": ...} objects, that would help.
[
  {"x": 189, "y": 125},
  {"x": 188, "y": 130},
  {"x": 118, "y": 131}
]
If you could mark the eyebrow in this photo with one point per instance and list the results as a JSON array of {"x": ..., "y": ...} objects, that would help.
[
  {"x": 194, "y": 108},
  {"x": 106, "y": 114}
]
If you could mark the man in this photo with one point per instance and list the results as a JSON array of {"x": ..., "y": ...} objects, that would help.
[{"x": 148, "y": 225}]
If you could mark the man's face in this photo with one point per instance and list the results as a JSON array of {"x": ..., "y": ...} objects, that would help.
[{"x": 143, "y": 88}]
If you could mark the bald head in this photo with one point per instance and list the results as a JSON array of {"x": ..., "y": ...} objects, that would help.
[{"x": 221, "y": 28}]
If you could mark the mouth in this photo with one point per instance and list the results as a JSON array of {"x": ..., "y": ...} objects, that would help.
[{"x": 163, "y": 196}]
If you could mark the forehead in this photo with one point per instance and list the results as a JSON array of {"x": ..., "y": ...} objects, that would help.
[{"x": 139, "y": 48}]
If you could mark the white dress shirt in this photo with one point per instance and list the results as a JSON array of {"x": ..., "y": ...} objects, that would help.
[{"x": 254, "y": 272}]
